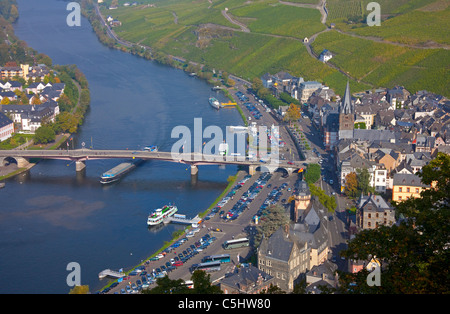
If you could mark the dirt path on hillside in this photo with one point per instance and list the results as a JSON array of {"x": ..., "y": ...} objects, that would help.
[
  {"x": 430, "y": 45},
  {"x": 321, "y": 6},
  {"x": 242, "y": 26}
]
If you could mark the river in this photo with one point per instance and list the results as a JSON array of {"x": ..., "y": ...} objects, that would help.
[{"x": 53, "y": 216}]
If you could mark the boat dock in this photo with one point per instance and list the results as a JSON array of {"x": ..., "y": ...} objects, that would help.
[
  {"x": 228, "y": 104},
  {"x": 110, "y": 273},
  {"x": 182, "y": 220}
]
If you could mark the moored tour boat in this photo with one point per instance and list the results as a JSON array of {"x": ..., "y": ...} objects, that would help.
[
  {"x": 159, "y": 214},
  {"x": 214, "y": 102}
]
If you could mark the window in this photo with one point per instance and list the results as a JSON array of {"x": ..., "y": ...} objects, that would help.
[
  {"x": 407, "y": 190},
  {"x": 400, "y": 189},
  {"x": 417, "y": 190}
]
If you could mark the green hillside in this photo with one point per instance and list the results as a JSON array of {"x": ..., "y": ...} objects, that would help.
[{"x": 250, "y": 38}]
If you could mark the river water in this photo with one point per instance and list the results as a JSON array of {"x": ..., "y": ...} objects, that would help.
[{"x": 53, "y": 216}]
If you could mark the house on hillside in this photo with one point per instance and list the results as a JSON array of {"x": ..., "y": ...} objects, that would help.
[{"x": 325, "y": 56}]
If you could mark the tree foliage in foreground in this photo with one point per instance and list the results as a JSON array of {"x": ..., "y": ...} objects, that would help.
[
  {"x": 201, "y": 280},
  {"x": 414, "y": 254}
]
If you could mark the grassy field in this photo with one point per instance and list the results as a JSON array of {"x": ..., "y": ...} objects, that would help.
[
  {"x": 413, "y": 22},
  {"x": 274, "y": 44},
  {"x": 431, "y": 27},
  {"x": 278, "y": 19},
  {"x": 386, "y": 65}
]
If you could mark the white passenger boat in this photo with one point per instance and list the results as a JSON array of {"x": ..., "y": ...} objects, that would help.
[
  {"x": 158, "y": 215},
  {"x": 214, "y": 102}
]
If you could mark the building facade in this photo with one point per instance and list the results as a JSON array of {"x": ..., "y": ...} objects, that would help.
[
  {"x": 283, "y": 258},
  {"x": 373, "y": 211},
  {"x": 406, "y": 186},
  {"x": 6, "y": 127}
]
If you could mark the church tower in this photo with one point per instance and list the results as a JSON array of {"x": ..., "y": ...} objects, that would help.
[
  {"x": 346, "y": 115},
  {"x": 302, "y": 201}
]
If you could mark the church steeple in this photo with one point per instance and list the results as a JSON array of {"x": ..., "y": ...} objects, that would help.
[{"x": 346, "y": 104}]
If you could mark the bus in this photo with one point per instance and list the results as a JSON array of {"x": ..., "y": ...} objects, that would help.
[
  {"x": 207, "y": 267},
  {"x": 237, "y": 243},
  {"x": 189, "y": 284},
  {"x": 223, "y": 258}
]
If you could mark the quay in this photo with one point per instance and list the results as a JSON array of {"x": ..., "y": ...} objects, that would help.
[
  {"x": 182, "y": 220},
  {"x": 110, "y": 273}
]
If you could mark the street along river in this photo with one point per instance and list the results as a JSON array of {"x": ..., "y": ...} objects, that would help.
[{"x": 52, "y": 216}]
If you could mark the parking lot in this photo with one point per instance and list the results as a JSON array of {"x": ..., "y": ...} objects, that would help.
[{"x": 229, "y": 219}]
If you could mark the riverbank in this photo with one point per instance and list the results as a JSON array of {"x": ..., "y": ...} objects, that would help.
[
  {"x": 177, "y": 235},
  {"x": 59, "y": 141}
]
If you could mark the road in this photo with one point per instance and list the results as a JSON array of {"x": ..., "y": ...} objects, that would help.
[
  {"x": 336, "y": 222},
  {"x": 289, "y": 152},
  {"x": 109, "y": 31}
]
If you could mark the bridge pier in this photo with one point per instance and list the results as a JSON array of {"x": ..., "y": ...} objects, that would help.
[
  {"x": 22, "y": 162},
  {"x": 80, "y": 165},
  {"x": 194, "y": 170},
  {"x": 252, "y": 169}
]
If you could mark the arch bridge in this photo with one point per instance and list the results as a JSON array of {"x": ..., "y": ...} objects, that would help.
[{"x": 80, "y": 156}]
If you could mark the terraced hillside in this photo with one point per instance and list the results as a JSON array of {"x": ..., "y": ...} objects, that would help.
[{"x": 250, "y": 38}]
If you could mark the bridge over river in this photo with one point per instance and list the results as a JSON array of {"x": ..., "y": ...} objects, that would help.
[{"x": 80, "y": 156}]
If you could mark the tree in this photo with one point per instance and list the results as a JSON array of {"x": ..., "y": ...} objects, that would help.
[
  {"x": 201, "y": 281},
  {"x": 363, "y": 177},
  {"x": 273, "y": 289},
  {"x": 67, "y": 122},
  {"x": 165, "y": 285},
  {"x": 351, "y": 184},
  {"x": 293, "y": 113},
  {"x": 312, "y": 174},
  {"x": 273, "y": 217},
  {"x": 413, "y": 253},
  {"x": 44, "y": 135}
]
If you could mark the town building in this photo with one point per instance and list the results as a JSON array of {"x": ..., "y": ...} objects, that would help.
[
  {"x": 346, "y": 115},
  {"x": 283, "y": 258},
  {"x": 246, "y": 279},
  {"x": 374, "y": 211},
  {"x": 406, "y": 186},
  {"x": 6, "y": 127},
  {"x": 305, "y": 90},
  {"x": 323, "y": 275}
]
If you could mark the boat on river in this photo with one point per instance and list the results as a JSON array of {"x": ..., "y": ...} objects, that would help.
[
  {"x": 214, "y": 102},
  {"x": 159, "y": 214},
  {"x": 152, "y": 148},
  {"x": 119, "y": 171}
]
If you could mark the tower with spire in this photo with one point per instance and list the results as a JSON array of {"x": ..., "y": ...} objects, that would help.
[{"x": 346, "y": 115}]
